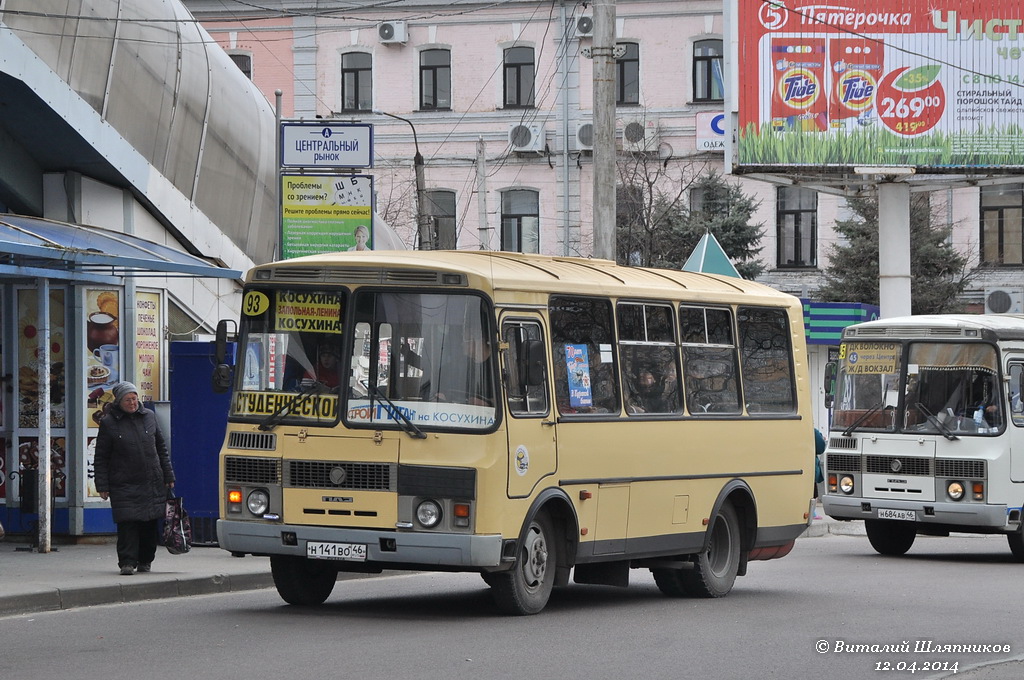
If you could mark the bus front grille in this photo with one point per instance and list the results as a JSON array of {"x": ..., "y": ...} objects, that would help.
[
  {"x": 842, "y": 462},
  {"x": 315, "y": 474},
  {"x": 243, "y": 470},
  {"x": 962, "y": 469},
  {"x": 904, "y": 465},
  {"x": 252, "y": 441}
]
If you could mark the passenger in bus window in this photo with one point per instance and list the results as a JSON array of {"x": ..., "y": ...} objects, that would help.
[{"x": 326, "y": 369}]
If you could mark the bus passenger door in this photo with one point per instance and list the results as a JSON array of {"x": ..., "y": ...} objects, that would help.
[
  {"x": 529, "y": 424},
  {"x": 1015, "y": 422}
]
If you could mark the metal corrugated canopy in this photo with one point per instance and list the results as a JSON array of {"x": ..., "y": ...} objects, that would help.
[{"x": 31, "y": 248}]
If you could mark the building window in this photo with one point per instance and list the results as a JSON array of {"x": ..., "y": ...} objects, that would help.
[
  {"x": 356, "y": 81},
  {"x": 1002, "y": 224},
  {"x": 519, "y": 73},
  {"x": 708, "y": 83},
  {"x": 797, "y": 221},
  {"x": 440, "y": 207},
  {"x": 520, "y": 221},
  {"x": 627, "y": 75},
  {"x": 436, "y": 79},
  {"x": 244, "y": 63}
]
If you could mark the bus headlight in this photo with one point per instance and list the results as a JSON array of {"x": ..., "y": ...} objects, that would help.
[
  {"x": 955, "y": 490},
  {"x": 846, "y": 484},
  {"x": 428, "y": 513},
  {"x": 258, "y": 501}
]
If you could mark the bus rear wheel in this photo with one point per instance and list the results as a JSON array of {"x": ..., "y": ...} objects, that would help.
[
  {"x": 526, "y": 587},
  {"x": 714, "y": 570},
  {"x": 302, "y": 582},
  {"x": 890, "y": 537}
]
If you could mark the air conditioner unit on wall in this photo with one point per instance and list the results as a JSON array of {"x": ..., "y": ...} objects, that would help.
[
  {"x": 640, "y": 135},
  {"x": 584, "y": 136},
  {"x": 526, "y": 136},
  {"x": 584, "y": 27},
  {"x": 1004, "y": 301},
  {"x": 392, "y": 32}
]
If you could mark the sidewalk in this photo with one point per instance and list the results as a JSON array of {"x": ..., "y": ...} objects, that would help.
[{"x": 82, "y": 575}]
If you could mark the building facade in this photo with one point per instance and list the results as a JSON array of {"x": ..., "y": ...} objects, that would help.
[{"x": 499, "y": 100}]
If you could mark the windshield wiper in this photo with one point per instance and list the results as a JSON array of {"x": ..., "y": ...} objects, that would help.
[
  {"x": 408, "y": 426},
  {"x": 864, "y": 416},
  {"x": 938, "y": 423},
  {"x": 316, "y": 387}
]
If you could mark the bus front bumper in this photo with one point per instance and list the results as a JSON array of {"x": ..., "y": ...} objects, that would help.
[
  {"x": 387, "y": 549},
  {"x": 971, "y": 516}
]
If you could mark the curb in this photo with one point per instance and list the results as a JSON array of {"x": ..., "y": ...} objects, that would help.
[{"x": 71, "y": 598}]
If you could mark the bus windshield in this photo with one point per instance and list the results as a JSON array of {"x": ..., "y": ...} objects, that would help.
[
  {"x": 946, "y": 388},
  {"x": 371, "y": 358}
]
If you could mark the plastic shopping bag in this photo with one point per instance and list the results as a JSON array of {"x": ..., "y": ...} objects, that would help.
[{"x": 177, "y": 527}]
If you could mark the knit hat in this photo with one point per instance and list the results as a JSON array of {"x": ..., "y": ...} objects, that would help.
[{"x": 123, "y": 388}]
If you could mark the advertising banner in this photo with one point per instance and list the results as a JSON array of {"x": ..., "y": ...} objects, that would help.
[
  {"x": 148, "y": 336},
  {"x": 910, "y": 83},
  {"x": 325, "y": 214}
]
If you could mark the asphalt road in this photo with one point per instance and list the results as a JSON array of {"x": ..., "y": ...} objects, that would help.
[{"x": 814, "y": 614}]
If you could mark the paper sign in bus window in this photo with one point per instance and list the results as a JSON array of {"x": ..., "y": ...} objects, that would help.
[{"x": 577, "y": 365}]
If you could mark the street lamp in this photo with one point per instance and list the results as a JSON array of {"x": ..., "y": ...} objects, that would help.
[{"x": 423, "y": 224}]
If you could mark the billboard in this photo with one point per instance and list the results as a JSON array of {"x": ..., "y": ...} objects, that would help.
[
  {"x": 325, "y": 213},
  {"x": 896, "y": 83}
]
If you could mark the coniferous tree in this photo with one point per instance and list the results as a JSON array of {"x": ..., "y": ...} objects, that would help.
[{"x": 938, "y": 272}]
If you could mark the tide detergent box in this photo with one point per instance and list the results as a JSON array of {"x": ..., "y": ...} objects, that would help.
[
  {"x": 855, "y": 66},
  {"x": 799, "y": 100}
]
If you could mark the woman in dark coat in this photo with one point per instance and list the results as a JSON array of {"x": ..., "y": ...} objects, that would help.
[{"x": 133, "y": 470}]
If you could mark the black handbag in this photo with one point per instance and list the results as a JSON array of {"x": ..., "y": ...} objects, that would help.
[{"x": 177, "y": 527}]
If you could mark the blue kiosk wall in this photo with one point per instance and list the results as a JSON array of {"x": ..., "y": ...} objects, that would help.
[{"x": 198, "y": 421}]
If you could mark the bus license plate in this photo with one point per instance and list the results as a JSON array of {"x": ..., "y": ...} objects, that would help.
[
  {"x": 352, "y": 552},
  {"x": 885, "y": 513}
]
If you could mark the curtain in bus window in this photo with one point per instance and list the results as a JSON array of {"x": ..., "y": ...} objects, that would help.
[
  {"x": 954, "y": 356},
  {"x": 766, "y": 360}
]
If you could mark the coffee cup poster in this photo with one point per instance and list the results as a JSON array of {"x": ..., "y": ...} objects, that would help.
[
  {"x": 910, "y": 83},
  {"x": 103, "y": 361}
]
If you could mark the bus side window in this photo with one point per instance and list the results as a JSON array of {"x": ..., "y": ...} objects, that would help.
[
  {"x": 525, "y": 368},
  {"x": 1016, "y": 372},
  {"x": 582, "y": 355}
]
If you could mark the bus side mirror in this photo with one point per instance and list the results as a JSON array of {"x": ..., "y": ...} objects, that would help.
[
  {"x": 830, "y": 378},
  {"x": 830, "y": 383},
  {"x": 220, "y": 381}
]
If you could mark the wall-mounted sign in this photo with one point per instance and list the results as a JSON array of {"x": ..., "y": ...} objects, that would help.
[
  {"x": 326, "y": 145},
  {"x": 711, "y": 131}
]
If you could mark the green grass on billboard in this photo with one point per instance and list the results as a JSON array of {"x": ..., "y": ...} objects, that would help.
[{"x": 995, "y": 147}]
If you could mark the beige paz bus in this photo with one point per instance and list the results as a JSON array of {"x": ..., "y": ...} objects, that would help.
[{"x": 519, "y": 416}]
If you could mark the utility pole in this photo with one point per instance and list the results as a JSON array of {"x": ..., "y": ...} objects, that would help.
[
  {"x": 423, "y": 221},
  {"x": 604, "y": 128}
]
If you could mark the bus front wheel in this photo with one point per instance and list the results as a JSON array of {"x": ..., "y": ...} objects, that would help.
[
  {"x": 890, "y": 537},
  {"x": 1016, "y": 541},
  {"x": 302, "y": 582},
  {"x": 526, "y": 587}
]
